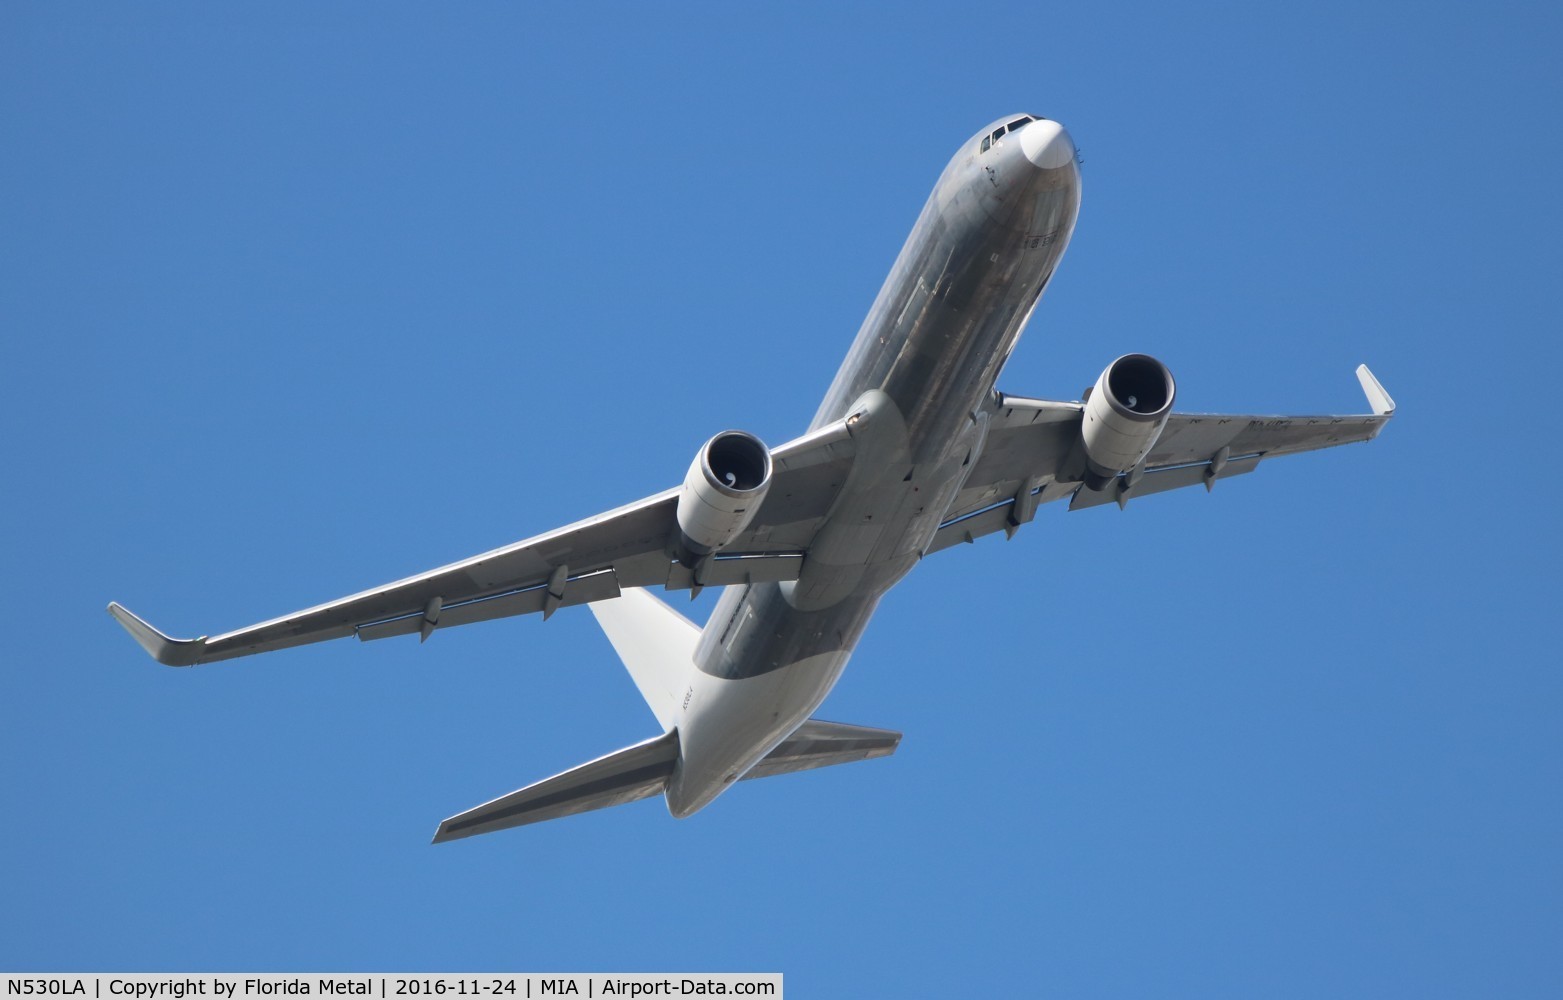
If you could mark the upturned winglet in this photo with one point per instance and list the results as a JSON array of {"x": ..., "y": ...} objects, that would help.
[
  {"x": 1377, "y": 398},
  {"x": 165, "y": 650}
]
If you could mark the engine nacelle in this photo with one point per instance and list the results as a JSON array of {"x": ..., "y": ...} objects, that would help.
[
  {"x": 725, "y": 486},
  {"x": 1124, "y": 415}
]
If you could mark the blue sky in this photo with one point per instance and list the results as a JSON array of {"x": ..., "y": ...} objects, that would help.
[{"x": 299, "y": 300}]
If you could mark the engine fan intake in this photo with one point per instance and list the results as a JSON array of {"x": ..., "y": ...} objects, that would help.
[
  {"x": 724, "y": 488},
  {"x": 1124, "y": 415}
]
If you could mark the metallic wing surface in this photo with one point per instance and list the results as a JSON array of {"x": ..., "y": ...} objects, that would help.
[
  {"x": 1032, "y": 443},
  {"x": 591, "y": 560}
]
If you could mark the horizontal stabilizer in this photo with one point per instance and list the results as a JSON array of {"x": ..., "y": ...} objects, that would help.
[
  {"x": 643, "y": 770},
  {"x": 821, "y": 744},
  {"x": 626, "y": 775}
]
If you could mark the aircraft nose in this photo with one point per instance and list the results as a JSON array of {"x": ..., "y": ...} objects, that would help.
[{"x": 1047, "y": 144}]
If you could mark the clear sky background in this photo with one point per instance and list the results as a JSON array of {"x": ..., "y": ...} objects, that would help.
[{"x": 298, "y": 299}]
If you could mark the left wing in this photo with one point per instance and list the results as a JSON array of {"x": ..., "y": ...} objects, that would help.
[
  {"x": 591, "y": 560},
  {"x": 1031, "y": 442}
]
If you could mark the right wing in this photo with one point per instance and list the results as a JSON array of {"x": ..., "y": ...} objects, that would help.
[
  {"x": 1032, "y": 444},
  {"x": 591, "y": 560}
]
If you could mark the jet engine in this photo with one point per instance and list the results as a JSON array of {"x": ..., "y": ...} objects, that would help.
[
  {"x": 1124, "y": 415},
  {"x": 726, "y": 484}
]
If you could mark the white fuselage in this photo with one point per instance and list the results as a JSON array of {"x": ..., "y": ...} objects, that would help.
[{"x": 921, "y": 372}]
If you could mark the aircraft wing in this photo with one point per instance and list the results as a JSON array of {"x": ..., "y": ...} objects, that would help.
[
  {"x": 591, "y": 560},
  {"x": 1032, "y": 441}
]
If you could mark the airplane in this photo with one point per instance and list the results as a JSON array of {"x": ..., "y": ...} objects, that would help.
[{"x": 912, "y": 451}]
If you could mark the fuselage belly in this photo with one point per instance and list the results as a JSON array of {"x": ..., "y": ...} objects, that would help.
[{"x": 922, "y": 371}]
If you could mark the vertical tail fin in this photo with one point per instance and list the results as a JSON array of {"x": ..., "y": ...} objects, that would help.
[{"x": 657, "y": 645}]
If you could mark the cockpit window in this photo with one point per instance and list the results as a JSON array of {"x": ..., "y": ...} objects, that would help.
[{"x": 989, "y": 141}]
